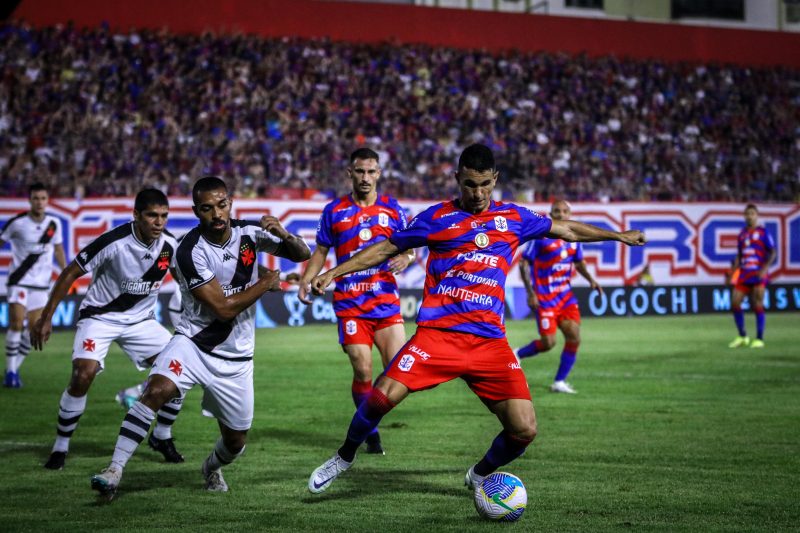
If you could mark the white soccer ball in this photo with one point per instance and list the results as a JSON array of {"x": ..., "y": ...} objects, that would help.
[{"x": 501, "y": 496}]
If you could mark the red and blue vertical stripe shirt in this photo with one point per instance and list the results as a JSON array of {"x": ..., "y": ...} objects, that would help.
[
  {"x": 552, "y": 267},
  {"x": 349, "y": 228},
  {"x": 470, "y": 256},
  {"x": 755, "y": 246}
]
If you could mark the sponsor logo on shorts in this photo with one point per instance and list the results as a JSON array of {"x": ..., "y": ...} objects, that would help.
[
  {"x": 423, "y": 354},
  {"x": 350, "y": 327},
  {"x": 176, "y": 367},
  {"x": 406, "y": 362},
  {"x": 88, "y": 345},
  {"x": 545, "y": 323},
  {"x": 514, "y": 366}
]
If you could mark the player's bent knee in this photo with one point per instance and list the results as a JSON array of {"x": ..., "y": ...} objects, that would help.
[
  {"x": 159, "y": 390},
  {"x": 548, "y": 342},
  {"x": 83, "y": 373}
]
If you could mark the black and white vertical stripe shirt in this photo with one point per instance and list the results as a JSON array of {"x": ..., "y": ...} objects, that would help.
[
  {"x": 32, "y": 245},
  {"x": 126, "y": 275},
  {"x": 235, "y": 267}
]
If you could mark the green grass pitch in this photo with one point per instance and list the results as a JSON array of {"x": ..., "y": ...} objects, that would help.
[{"x": 670, "y": 431}]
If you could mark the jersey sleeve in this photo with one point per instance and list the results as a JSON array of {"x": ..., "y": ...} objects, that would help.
[
  {"x": 58, "y": 237},
  {"x": 533, "y": 225},
  {"x": 415, "y": 235},
  {"x": 402, "y": 217},
  {"x": 6, "y": 232},
  {"x": 325, "y": 228},
  {"x": 578, "y": 252},
  {"x": 193, "y": 266},
  {"x": 266, "y": 241},
  {"x": 94, "y": 255},
  {"x": 769, "y": 242}
]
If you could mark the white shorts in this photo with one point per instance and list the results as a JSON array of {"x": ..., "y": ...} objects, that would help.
[
  {"x": 139, "y": 341},
  {"x": 32, "y": 299},
  {"x": 228, "y": 385}
]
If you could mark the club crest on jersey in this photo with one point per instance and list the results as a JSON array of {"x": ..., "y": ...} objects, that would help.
[
  {"x": 163, "y": 261},
  {"x": 247, "y": 256},
  {"x": 383, "y": 220},
  {"x": 406, "y": 362},
  {"x": 501, "y": 223},
  {"x": 365, "y": 234},
  {"x": 350, "y": 327},
  {"x": 481, "y": 240}
]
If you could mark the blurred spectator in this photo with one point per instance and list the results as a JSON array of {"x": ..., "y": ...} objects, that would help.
[{"x": 96, "y": 113}]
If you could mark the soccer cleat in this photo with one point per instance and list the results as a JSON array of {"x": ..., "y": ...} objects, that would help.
[
  {"x": 757, "y": 343},
  {"x": 214, "y": 480},
  {"x": 472, "y": 480},
  {"x": 167, "y": 449},
  {"x": 12, "y": 380},
  {"x": 125, "y": 400},
  {"x": 56, "y": 461},
  {"x": 374, "y": 444},
  {"x": 562, "y": 386},
  {"x": 107, "y": 481},
  {"x": 739, "y": 342},
  {"x": 322, "y": 477}
]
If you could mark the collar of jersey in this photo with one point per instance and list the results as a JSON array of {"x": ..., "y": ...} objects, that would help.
[
  {"x": 223, "y": 245},
  {"x": 457, "y": 205},
  {"x": 135, "y": 238}
]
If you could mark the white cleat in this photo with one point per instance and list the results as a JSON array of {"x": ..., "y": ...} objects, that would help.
[
  {"x": 214, "y": 480},
  {"x": 322, "y": 477},
  {"x": 562, "y": 386},
  {"x": 107, "y": 481},
  {"x": 473, "y": 480}
]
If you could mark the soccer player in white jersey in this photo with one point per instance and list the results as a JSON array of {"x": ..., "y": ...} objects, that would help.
[
  {"x": 35, "y": 236},
  {"x": 128, "y": 264},
  {"x": 214, "y": 340}
]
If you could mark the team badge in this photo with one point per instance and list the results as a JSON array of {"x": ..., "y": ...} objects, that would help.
[
  {"x": 501, "y": 223},
  {"x": 406, "y": 362},
  {"x": 88, "y": 345},
  {"x": 248, "y": 256},
  {"x": 350, "y": 327},
  {"x": 481, "y": 240},
  {"x": 383, "y": 220},
  {"x": 365, "y": 234},
  {"x": 176, "y": 367}
]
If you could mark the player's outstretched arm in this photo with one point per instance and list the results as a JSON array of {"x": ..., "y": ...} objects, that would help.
[
  {"x": 313, "y": 267},
  {"x": 41, "y": 330},
  {"x": 225, "y": 308},
  {"x": 369, "y": 257},
  {"x": 293, "y": 247},
  {"x": 574, "y": 231}
]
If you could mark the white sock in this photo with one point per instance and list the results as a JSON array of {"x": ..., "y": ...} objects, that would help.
[
  {"x": 12, "y": 350},
  {"x": 132, "y": 432},
  {"x": 70, "y": 409},
  {"x": 166, "y": 417},
  {"x": 221, "y": 456}
]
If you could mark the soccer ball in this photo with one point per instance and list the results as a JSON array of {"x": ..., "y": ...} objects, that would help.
[{"x": 501, "y": 496}]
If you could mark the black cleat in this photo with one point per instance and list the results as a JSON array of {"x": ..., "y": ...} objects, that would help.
[
  {"x": 56, "y": 461},
  {"x": 167, "y": 449},
  {"x": 374, "y": 444}
]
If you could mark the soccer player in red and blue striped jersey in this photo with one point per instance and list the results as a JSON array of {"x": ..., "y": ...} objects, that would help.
[
  {"x": 756, "y": 251},
  {"x": 460, "y": 325},
  {"x": 367, "y": 303},
  {"x": 546, "y": 268}
]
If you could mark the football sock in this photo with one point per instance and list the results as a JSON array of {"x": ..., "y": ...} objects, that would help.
[
  {"x": 761, "y": 320},
  {"x": 367, "y": 417},
  {"x": 529, "y": 350},
  {"x": 70, "y": 409},
  {"x": 166, "y": 417},
  {"x": 360, "y": 391},
  {"x": 568, "y": 356},
  {"x": 24, "y": 347},
  {"x": 132, "y": 432},
  {"x": 12, "y": 349},
  {"x": 505, "y": 448},
  {"x": 222, "y": 456},
  {"x": 738, "y": 317}
]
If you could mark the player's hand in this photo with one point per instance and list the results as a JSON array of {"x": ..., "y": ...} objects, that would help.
[
  {"x": 40, "y": 333},
  {"x": 271, "y": 224},
  {"x": 302, "y": 292},
  {"x": 633, "y": 237},
  {"x": 399, "y": 263},
  {"x": 533, "y": 302},
  {"x": 272, "y": 278},
  {"x": 596, "y": 287},
  {"x": 319, "y": 283}
]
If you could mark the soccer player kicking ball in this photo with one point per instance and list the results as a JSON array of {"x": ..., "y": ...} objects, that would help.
[
  {"x": 214, "y": 341},
  {"x": 367, "y": 303},
  {"x": 755, "y": 252},
  {"x": 460, "y": 332},
  {"x": 550, "y": 262},
  {"x": 128, "y": 264}
]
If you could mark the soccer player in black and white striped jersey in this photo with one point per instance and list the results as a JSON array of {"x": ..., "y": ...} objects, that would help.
[
  {"x": 35, "y": 237},
  {"x": 214, "y": 341},
  {"x": 128, "y": 265}
]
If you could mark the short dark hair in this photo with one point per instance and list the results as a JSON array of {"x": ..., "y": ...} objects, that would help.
[
  {"x": 205, "y": 184},
  {"x": 364, "y": 153},
  {"x": 751, "y": 206},
  {"x": 477, "y": 157},
  {"x": 149, "y": 197},
  {"x": 38, "y": 186}
]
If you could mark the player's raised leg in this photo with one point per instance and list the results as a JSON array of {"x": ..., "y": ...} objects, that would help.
[
  {"x": 519, "y": 429},
  {"x": 385, "y": 395}
]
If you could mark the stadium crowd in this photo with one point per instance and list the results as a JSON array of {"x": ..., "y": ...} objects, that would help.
[{"x": 91, "y": 112}]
